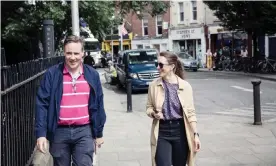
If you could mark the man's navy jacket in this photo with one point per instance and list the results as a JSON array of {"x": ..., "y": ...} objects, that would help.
[{"x": 49, "y": 97}]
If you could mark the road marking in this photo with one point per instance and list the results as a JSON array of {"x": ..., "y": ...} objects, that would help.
[
  {"x": 271, "y": 120},
  {"x": 268, "y": 112},
  {"x": 234, "y": 113},
  {"x": 269, "y": 107},
  {"x": 252, "y": 112},
  {"x": 262, "y": 109},
  {"x": 244, "y": 89},
  {"x": 271, "y": 104}
]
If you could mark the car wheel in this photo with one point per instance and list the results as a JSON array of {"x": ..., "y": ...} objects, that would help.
[{"x": 195, "y": 70}]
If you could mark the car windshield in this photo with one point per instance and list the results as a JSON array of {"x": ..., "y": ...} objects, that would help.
[
  {"x": 91, "y": 46},
  {"x": 185, "y": 56},
  {"x": 138, "y": 57}
]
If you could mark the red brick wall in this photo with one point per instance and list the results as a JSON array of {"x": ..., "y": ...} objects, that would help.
[{"x": 137, "y": 24}]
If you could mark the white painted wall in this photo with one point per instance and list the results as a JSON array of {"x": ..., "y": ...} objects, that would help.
[
  {"x": 163, "y": 43},
  {"x": 204, "y": 14}
]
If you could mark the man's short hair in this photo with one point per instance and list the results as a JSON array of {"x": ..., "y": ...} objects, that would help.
[{"x": 73, "y": 39}]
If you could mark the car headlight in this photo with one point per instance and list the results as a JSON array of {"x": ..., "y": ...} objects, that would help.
[{"x": 133, "y": 75}]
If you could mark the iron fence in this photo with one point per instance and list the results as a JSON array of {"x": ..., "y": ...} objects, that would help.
[{"x": 18, "y": 90}]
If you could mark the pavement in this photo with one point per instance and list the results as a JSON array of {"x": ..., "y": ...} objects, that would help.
[
  {"x": 225, "y": 123},
  {"x": 271, "y": 77}
]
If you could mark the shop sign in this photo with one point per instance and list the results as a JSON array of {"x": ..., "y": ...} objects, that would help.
[{"x": 195, "y": 33}]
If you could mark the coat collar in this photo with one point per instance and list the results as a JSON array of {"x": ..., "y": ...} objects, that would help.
[{"x": 180, "y": 83}]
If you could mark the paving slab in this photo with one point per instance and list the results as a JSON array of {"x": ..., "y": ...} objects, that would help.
[{"x": 226, "y": 141}]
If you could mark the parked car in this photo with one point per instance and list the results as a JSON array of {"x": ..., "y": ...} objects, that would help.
[
  {"x": 142, "y": 68},
  {"x": 189, "y": 62}
]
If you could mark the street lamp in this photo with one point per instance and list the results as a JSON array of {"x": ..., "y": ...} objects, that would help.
[
  {"x": 75, "y": 17},
  {"x": 112, "y": 19}
]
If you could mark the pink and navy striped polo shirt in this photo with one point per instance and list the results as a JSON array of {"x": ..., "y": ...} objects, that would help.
[{"x": 74, "y": 102}]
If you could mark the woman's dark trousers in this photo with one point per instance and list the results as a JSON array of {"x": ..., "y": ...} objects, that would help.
[{"x": 172, "y": 146}]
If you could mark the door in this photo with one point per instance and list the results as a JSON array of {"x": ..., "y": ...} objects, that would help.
[{"x": 272, "y": 48}]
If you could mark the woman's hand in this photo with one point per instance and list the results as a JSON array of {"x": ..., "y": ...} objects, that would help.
[
  {"x": 197, "y": 144},
  {"x": 158, "y": 115}
]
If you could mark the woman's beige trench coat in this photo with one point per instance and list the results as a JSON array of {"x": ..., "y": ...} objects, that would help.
[{"x": 156, "y": 97}]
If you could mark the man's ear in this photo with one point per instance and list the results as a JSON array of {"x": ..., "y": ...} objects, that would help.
[{"x": 82, "y": 54}]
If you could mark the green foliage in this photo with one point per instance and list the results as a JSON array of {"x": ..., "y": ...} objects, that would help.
[
  {"x": 26, "y": 20},
  {"x": 138, "y": 7},
  {"x": 22, "y": 21},
  {"x": 250, "y": 16}
]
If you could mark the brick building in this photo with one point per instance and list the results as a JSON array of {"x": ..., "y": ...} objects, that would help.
[{"x": 149, "y": 32}]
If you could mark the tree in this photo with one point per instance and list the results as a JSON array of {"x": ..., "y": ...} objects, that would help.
[
  {"x": 151, "y": 7},
  {"x": 254, "y": 17},
  {"x": 22, "y": 22}
]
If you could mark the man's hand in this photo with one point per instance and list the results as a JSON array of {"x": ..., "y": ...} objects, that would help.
[
  {"x": 99, "y": 142},
  {"x": 41, "y": 144}
]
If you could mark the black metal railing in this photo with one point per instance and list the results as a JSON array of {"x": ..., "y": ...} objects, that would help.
[{"x": 18, "y": 90}]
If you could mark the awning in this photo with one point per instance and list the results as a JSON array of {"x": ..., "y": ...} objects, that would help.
[{"x": 217, "y": 30}]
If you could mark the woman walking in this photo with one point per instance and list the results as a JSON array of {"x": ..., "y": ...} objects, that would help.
[{"x": 174, "y": 135}]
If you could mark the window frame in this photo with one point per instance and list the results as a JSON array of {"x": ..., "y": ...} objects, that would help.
[
  {"x": 157, "y": 26},
  {"x": 194, "y": 9},
  {"x": 143, "y": 26},
  {"x": 181, "y": 12}
]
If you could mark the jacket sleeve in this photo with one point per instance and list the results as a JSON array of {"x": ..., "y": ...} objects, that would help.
[
  {"x": 190, "y": 105},
  {"x": 101, "y": 116},
  {"x": 42, "y": 105},
  {"x": 149, "y": 107}
]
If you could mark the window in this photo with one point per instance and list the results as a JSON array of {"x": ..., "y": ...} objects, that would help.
[
  {"x": 194, "y": 10},
  {"x": 140, "y": 57},
  {"x": 181, "y": 11},
  {"x": 159, "y": 22},
  {"x": 145, "y": 23},
  {"x": 139, "y": 46}
]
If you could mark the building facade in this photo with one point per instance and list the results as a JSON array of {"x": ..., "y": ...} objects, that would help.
[
  {"x": 187, "y": 28},
  {"x": 150, "y": 32}
]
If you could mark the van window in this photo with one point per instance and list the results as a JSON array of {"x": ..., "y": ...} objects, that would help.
[{"x": 138, "y": 57}]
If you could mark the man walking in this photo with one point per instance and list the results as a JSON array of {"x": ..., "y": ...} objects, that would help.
[{"x": 69, "y": 109}]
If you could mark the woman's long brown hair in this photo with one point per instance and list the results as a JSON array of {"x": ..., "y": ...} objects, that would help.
[{"x": 173, "y": 59}]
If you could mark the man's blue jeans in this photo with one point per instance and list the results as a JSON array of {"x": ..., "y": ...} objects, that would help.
[{"x": 75, "y": 142}]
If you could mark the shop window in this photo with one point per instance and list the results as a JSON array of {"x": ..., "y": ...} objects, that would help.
[
  {"x": 139, "y": 46},
  {"x": 159, "y": 22},
  {"x": 181, "y": 11},
  {"x": 145, "y": 23},
  {"x": 194, "y": 10}
]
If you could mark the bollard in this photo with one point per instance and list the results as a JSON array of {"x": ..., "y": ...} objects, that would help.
[
  {"x": 129, "y": 99},
  {"x": 257, "y": 102},
  {"x": 128, "y": 86}
]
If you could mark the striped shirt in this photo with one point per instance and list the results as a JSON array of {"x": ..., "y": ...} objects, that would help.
[
  {"x": 74, "y": 101},
  {"x": 171, "y": 108}
]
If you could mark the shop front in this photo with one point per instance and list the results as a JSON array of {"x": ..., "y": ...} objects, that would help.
[
  {"x": 115, "y": 40},
  {"x": 191, "y": 40},
  {"x": 220, "y": 37},
  {"x": 159, "y": 44}
]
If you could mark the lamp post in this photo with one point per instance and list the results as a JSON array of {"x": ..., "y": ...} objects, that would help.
[
  {"x": 75, "y": 17},
  {"x": 112, "y": 51}
]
